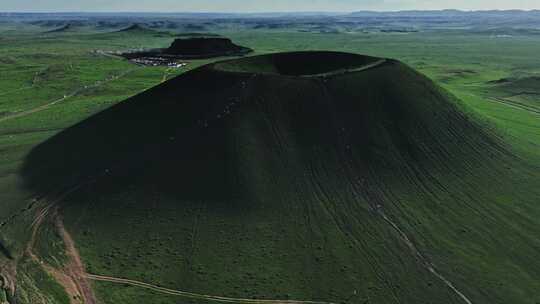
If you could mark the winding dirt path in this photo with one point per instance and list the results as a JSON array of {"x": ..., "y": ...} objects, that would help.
[
  {"x": 72, "y": 275},
  {"x": 515, "y": 105},
  {"x": 72, "y": 94},
  {"x": 166, "y": 74},
  {"x": 428, "y": 265},
  {"x": 75, "y": 268},
  {"x": 76, "y": 281},
  {"x": 196, "y": 295}
]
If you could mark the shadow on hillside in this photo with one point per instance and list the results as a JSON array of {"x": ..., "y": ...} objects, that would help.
[
  {"x": 172, "y": 138},
  {"x": 156, "y": 137}
]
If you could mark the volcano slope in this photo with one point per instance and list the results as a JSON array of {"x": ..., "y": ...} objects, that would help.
[{"x": 309, "y": 176}]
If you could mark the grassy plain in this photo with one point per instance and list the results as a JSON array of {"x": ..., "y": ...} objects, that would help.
[{"x": 37, "y": 69}]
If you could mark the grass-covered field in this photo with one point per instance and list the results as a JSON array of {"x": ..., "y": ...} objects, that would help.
[{"x": 482, "y": 233}]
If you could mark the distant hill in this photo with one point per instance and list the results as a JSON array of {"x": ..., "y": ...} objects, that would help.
[
  {"x": 522, "y": 91},
  {"x": 65, "y": 28},
  {"x": 134, "y": 28},
  {"x": 194, "y": 46},
  {"x": 361, "y": 20},
  {"x": 205, "y": 47},
  {"x": 450, "y": 13},
  {"x": 138, "y": 29}
]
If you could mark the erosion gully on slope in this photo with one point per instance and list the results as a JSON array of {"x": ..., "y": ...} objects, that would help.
[{"x": 422, "y": 259}]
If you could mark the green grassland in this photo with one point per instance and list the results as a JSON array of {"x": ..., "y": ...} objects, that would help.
[{"x": 475, "y": 218}]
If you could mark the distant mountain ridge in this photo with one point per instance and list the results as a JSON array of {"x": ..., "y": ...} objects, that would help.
[
  {"x": 82, "y": 15},
  {"x": 449, "y": 12}
]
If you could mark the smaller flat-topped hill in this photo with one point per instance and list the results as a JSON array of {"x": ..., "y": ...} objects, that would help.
[
  {"x": 194, "y": 48},
  {"x": 205, "y": 47}
]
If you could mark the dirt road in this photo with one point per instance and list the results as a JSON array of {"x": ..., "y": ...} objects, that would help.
[
  {"x": 72, "y": 275},
  {"x": 427, "y": 264},
  {"x": 196, "y": 295},
  {"x": 72, "y": 94},
  {"x": 515, "y": 105},
  {"x": 76, "y": 281},
  {"x": 75, "y": 268}
]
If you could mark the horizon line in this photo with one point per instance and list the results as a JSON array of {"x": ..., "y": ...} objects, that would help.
[{"x": 262, "y": 12}]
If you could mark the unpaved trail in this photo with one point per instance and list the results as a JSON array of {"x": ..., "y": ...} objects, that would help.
[
  {"x": 36, "y": 109},
  {"x": 75, "y": 268},
  {"x": 515, "y": 105},
  {"x": 65, "y": 281},
  {"x": 72, "y": 276},
  {"x": 51, "y": 204},
  {"x": 428, "y": 265},
  {"x": 60, "y": 277},
  {"x": 196, "y": 295},
  {"x": 72, "y": 94},
  {"x": 76, "y": 281},
  {"x": 166, "y": 74}
]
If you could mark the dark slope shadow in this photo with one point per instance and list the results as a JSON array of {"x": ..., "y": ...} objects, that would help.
[
  {"x": 157, "y": 132},
  {"x": 171, "y": 134},
  {"x": 175, "y": 135}
]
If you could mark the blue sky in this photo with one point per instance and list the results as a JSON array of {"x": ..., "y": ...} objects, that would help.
[{"x": 259, "y": 5}]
